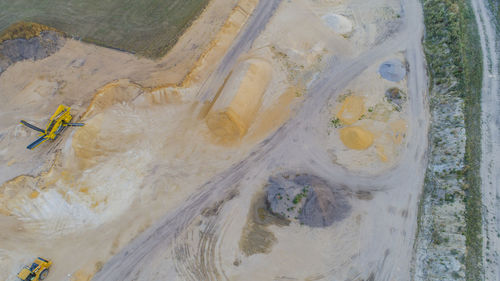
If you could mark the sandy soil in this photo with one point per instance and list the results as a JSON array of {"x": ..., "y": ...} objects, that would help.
[
  {"x": 77, "y": 71},
  {"x": 379, "y": 247},
  {"x": 144, "y": 191},
  {"x": 380, "y": 129},
  {"x": 490, "y": 144}
]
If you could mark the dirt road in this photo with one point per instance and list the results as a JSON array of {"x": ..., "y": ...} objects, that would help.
[
  {"x": 387, "y": 245},
  {"x": 490, "y": 123},
  {"x": 242, "y": 44}
]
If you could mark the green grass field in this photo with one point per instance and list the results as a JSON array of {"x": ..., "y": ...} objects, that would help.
[{"x": 146, "y": 27}]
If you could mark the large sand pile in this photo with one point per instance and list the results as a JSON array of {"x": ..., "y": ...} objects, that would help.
[
  {"x": 234, "y": 110},
  {"x": 356, "y": 137}
]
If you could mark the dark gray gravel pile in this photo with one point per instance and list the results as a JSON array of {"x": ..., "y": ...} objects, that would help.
[
  {"x": 307, "y": 199},
  {"x": 12, "y": 51}
]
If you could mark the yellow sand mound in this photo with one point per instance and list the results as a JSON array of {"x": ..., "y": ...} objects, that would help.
[
  {"x": 356, "y": 137},
  {"x": 234, "y": 110},
  {"x": 352, "y": 109},
  {"x": 226, "y": 124}
]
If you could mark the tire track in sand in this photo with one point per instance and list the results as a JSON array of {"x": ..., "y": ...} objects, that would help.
[{"x": 490, "y": 139}]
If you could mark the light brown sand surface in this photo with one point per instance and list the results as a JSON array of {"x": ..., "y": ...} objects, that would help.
[{"x": 161, "y": 182}]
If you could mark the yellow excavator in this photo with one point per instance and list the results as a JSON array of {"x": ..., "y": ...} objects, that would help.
[
  {"x": 57, "y": 123},
  {"x": 37, "y": 271}
]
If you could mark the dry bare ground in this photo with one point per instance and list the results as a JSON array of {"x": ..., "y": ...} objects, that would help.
[
  {"x": 490, "y": 139},
  {"x": 375, "y": 241},
  {"x": 146, "y": 192}
]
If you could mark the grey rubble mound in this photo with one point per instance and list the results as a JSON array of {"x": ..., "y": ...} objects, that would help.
[
  {"x": 40, "y": 47},
  {"x": 392, "y": 70},
  {"x": 307, "y": 199}
]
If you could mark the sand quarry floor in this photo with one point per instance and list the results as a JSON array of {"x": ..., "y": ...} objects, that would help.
[{"x": 166, "y": 179}]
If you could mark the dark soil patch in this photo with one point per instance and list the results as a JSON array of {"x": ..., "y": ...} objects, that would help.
[{"x": 256, "y": 238}]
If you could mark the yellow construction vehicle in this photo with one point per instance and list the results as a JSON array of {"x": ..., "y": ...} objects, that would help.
[
  {"x": 57, "y": 123},
  {"x": 37, "y": 271}
]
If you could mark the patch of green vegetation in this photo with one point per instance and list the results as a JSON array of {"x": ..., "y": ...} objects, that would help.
[
  {"x": 437, "y": 238},
  {"x": 149, "y": 27},
  {"x": 336, "y": 122},
  {"x": 494, "y": 6},
  {"x": 302, "y": 194},
  {"x": 471, "y": 84},
  {"x": 449, "y": 197},
  {"x": 452, "y": 49},
  {"x": 25, "y": 30}
]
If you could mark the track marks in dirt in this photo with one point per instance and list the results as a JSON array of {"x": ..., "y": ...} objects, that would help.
[
  {"x": 196, "y": 261},
  {"x": 195, "y": 252}
]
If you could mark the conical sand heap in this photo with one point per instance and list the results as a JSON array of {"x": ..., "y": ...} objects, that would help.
[{"x": 356, "y": 137}]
